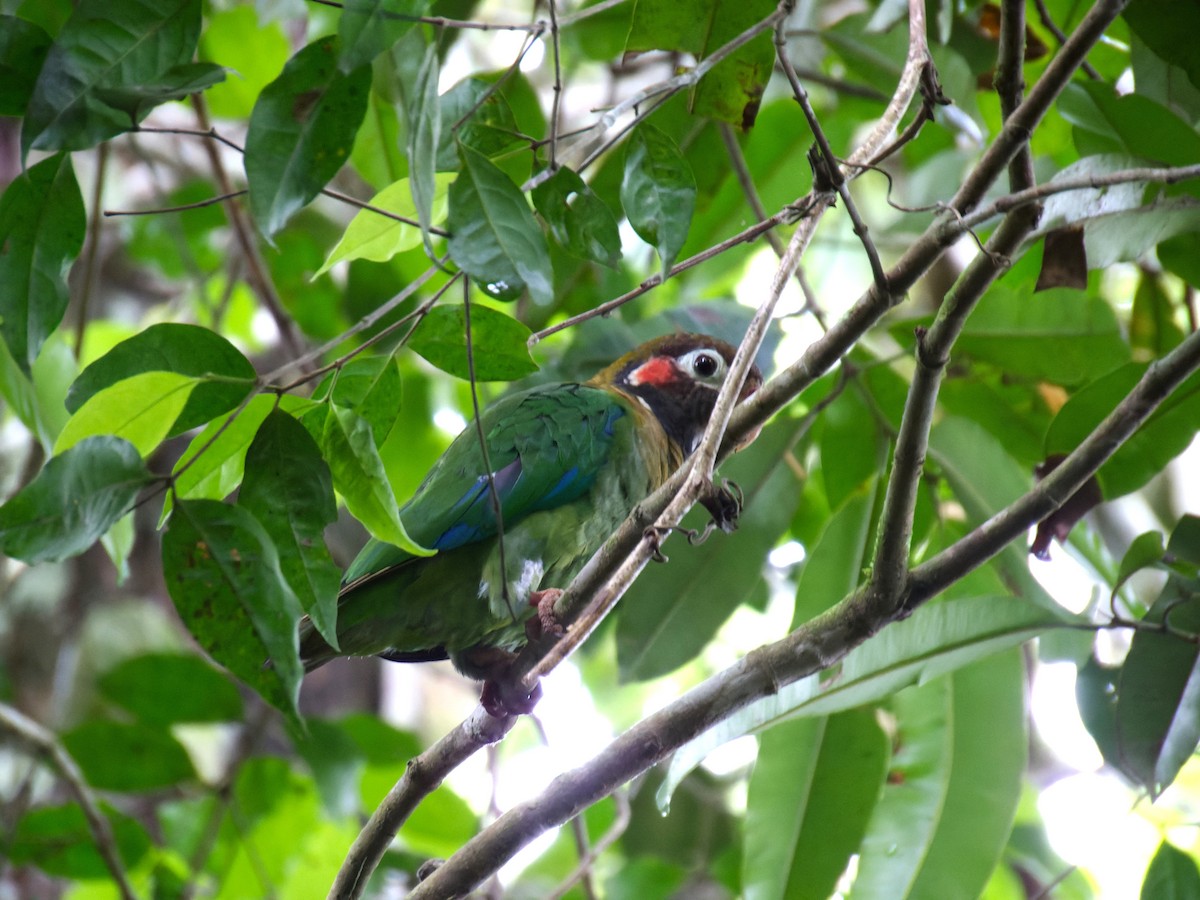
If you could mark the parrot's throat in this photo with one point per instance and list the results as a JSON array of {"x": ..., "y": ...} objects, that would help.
[{"x": 682, "y": 409}]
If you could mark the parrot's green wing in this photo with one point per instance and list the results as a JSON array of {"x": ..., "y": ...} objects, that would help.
[{"x": 545, "y": 446}]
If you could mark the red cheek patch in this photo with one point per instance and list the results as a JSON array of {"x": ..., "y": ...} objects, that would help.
[{"x": 659, "y": 370}]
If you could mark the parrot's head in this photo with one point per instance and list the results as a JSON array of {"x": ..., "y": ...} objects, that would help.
[{"x": 677, "y": 378}]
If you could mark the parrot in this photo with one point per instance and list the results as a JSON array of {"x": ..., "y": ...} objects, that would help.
[{"x": 567, "y": 462}]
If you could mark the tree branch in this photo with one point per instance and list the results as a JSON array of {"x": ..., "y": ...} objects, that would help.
[
  {"x": 811, "y": 648},
  {"x": 45, "y": 744}
]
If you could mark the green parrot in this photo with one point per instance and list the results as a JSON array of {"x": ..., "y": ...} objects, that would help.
[{"x": 569, "y": 462}]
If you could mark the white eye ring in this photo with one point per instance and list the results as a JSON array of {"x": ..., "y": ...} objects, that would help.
[{"x": 705, "y": 364}]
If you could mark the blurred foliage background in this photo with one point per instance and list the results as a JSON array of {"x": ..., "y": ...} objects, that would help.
[{"x": 226, "y": 221}]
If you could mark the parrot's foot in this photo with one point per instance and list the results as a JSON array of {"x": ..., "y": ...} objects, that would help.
[
  {"x": 546, "y": 621},
  {"x": 724, "y": 504},
  {"x": 501, "y": 699}
]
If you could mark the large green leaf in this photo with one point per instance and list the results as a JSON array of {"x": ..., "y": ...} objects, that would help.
[
  {"x": 60, "y": 841},
  {"x": 1060, "y": 335},
  {"x": 42, "y": 226},
  {"x": 499, "y": 348},
  {"x": 579, "y": 220},
  {"x": 1107, "y": 122},
  {"x": 289, "y": 490},
  {"x": 301, "y": 132},
  {"x": 212, "y": 465},
  {"x": 1172, "y": 875},
  {"x": 349, "y": 447},
  {"x": 171, "y": 347},
  {"x": 372, "y": 387},
  {"x": 223, "y": 575},
  {"x": 658, "y": 192},
  {"x": 164, "y": 688},
  {"x": 985, "y": 479},
  {"x": 494, "y": 237},
  {"x": 140, "y": 409},
  {"x": 116, "y": 756},
  {"x": 110, "y": 64},
  {"x": 1163, "y": 436},
  {"x": 73, "y": 501},
  {"x": 23, "y": 48},
  {"x": 814, "y": 787},
  {"x": 1157, "y": 715},
  {"x": 952, "y": 789},
  {"x": 485, "y": 121},
  {"x": 370, "y": 27},
  {"x": 422, "y": 118},
  {"x": 255, "y": 52},
  {"x": 733, "y": 90},
  {"x": 673, "y": 610},
  {"x": 371, "y": 235}
]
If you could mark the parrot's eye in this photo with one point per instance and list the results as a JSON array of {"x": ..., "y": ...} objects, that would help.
[{"x": 705, "y": 364}]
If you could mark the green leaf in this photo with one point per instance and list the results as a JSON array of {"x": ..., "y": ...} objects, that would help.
[
  {"x": 814, "y": 786},
  {"x": 1106, "y": 122},
  {"x": 227, "y": 376},
  {"x": 488, "y": 124},
  {"x": 301, "y": 132},
  {"x": 162, "y": 689},
  {"x": 1166, "y": 28},
  {"x": 23, "y": 48},
  {"x": 733, "y": 89},
  {"x": 223, "y": 574},
  {"x": 178, "y": 82},
  {"x": 1059, "y": 335},
  {"x": 370, "y": 27},
  {"x": 1163, "y": 436},
  {"x": 140, "y": 409},
  {"x": 371, "y": 235},
  {"x": 221, "y": 447},
  {"x": 937, "y": 639},
  {"x": 579, "y": 220},
  {"x": 42, "y": 226},
  {"x": 106, "y": 49},
  {"x": 289, "y": 490},
  {"x": 1145, "y": 550},
  {"x": 349, "y": 447},
  {"x": 985, "y": 479},
  {"x": 1157, "y": 716},
  {"x": 254, "y": 53},
  {"x": 74, "y": 500},
  {"x": 499, "y": 345},
  {"x": 658, "y": 192},
  {"x": 947, "y": 807},
  {"x": 422, "y": 117},
  {"x": 673, "y": 610},
  {"x": 1172, "y": 875},
  {"x": 128, "y": 757},
  {"x": 494, "y": 237},
  {"x": 370, "y": 386},
  {"x": 60, "y": 842},
  {"x": 1153, "y": 331}
]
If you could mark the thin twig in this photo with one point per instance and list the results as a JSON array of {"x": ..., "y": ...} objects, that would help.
[
  {"x": 45, "y": 744},
  {"x": 1052, "y": 26},
  {"x": 256, "y": 270}
]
